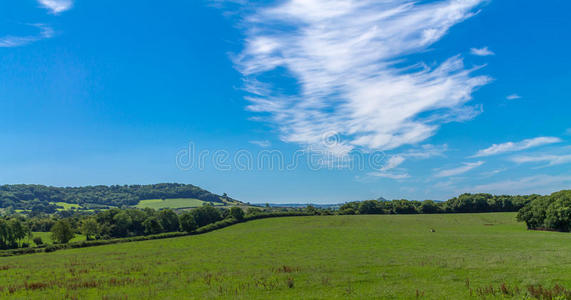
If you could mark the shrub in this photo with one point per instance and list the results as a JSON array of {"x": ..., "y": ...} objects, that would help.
[
  {"x": 38, "y": 241},
  {"x": 237, "y": 213}
]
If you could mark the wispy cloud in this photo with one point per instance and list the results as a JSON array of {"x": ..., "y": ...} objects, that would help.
[
  {"x": 46, "y": 32},
  {"x": 393, "y": 162},
  {"x": 513, "y": 97},
  {"x": 547, "y": 158},
  {"x": 459, "y": 170},
  {"x": 389, "y": 175},
  {"x": 481, "y": 51},
  {"x": 263, "y": 144},
  {"x": 517, "y": 146},
  {"x": 347, "y": 57},
  {"x": 56, "y": 6},
  {"x": 493, "y": 172},
  {"x": 539, "y": 184}
]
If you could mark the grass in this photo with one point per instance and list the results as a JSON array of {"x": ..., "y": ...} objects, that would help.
[
  {"x": 47, "y": 238},
  {"x": 66, "y": 206},
  {"x": 360, "y": 257},
  {"x": 176, "y": 203}
]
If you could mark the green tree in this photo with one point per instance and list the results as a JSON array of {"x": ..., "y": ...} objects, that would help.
[
  {"x": 19, "y": 231},
  {"x": 169, "y": 220},
  {"x": 5, "y": 234},
  {"x": 62, "y": 232},
  {"x": 206, "y": 215},
  {"x": 237, "y": 213},
  {"x": 187, "y": 222},
  {"x": 89, "y": 228},
  {"x": 152, "y": 225},
  {"x": 122, "y": 222}
]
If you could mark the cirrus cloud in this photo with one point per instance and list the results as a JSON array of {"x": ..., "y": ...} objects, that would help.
[
  {"x": 56, "y": 6},
  {"x": 517, "y": 146},
  {"x": 481, "y": 51},
  {"x": 459, "y": 170},
  {"x": 9, "y": 41},
  {"x": 346, "y": 57}
]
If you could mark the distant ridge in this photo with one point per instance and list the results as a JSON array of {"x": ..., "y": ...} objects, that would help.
[{"x": 42, "y": 198}]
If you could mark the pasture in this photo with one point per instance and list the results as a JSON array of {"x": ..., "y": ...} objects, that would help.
[
  {"x": 453, "y": 256},
  {"x": 176, "y": 203}
]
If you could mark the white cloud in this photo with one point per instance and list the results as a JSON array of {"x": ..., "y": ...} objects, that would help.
[
  {"x": 518, "y": 146},
  {"x": 46, "y": 32},
  {"x": 389, "y": 175},
  {"x": 263, "y": 144},
  {"x": 552, "y": 160},
  {"x": 459, "y": 170},
  {"x": 481, "y": 51},
  {"x": 393, "y": 162},
  {"x": 513, "y": 97},
  {"x": 493, "y": 172},
  {"x": 539, "y": 184},
  {"x": 56, "y": 6},
  {"x": 423, "y": 152},
  {"x": 347, "y": 57}
]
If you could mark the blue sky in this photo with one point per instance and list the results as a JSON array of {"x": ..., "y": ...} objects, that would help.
[{"x": 437, "y": 97}]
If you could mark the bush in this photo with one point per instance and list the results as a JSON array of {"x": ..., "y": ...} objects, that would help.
[
  {"x": 38, "y": 241},
  {"x": 237, "y": 213}
]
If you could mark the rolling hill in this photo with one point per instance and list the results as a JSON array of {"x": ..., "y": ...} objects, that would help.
[{"x": 40, "y": 198}]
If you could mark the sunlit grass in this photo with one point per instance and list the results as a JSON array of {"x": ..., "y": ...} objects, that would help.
[
  {"x": 361, "y": 257},
  {"x": 171, "y": 203}
]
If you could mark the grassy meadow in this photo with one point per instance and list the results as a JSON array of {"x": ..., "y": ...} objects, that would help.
[
  {"x": 47, "y": 238},
  {"x": 176, "y": 203},
  {"x": 452, "y": 256}
]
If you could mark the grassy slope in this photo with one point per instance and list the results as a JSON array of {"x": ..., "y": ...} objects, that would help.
[
  {"x": 330, "y": 257},
  {"x": 66, "y": 206},
  {"x": 170, "y": 203},
  {"x": 47, "y": 238}
]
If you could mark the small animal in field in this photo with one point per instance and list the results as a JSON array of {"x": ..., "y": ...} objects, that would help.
[{"x": 432, "y": 230}]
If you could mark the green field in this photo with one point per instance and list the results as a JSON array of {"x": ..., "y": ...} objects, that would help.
[
  {"x": 66, "y": 206},
  {"x": 360, "y": 257},
  {"x": 171, "y": 203},
  {"x": 47, "y": 238}
]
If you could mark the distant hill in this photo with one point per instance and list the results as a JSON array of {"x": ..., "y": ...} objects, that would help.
[{"x": 42, "y": 198}]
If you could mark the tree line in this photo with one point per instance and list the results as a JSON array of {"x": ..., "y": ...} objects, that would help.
[
  {"x": 551, "y": 212},
  {"x": 465, "y": 203}
]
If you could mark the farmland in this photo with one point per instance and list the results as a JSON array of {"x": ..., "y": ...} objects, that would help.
[
  {"x": 368, "y": 256},
  {"x": 171, "y": 203}
]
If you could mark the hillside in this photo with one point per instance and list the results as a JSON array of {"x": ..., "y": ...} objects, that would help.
[
  {"x": 40, "y": 198},
  {"x": 452, "y": 256}
]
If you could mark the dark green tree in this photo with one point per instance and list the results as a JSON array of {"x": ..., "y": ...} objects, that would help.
[
  {"x": 187, "y": 222},
  {"x": 152, "y": 225},
  {"x": 237, "y": 213},
  {"x": 169, "y": 220}
]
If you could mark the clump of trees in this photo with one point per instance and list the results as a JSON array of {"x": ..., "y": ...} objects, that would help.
[
  {"x": 12, "y": 233},
  {"x": 465, "y": 203},
  {"x": 551, "y": 212}
]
